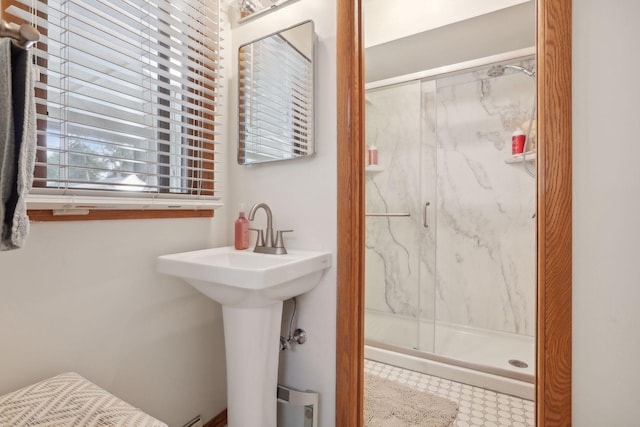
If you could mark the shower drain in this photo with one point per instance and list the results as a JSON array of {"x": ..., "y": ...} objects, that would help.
[{"x": 518, "y": 363}]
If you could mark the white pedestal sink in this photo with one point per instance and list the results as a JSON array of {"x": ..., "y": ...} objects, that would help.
[{"x": 251, "y": 288}]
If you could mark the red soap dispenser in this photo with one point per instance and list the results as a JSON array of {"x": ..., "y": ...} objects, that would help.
[{"x": 241, "y": 230}]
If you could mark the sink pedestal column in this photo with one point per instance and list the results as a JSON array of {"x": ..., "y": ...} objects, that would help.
[{"x": 252, "y": 346}]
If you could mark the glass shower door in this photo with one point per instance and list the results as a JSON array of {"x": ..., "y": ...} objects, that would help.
[
  {"x": 429, "y": 203},
  {"x": 485, "y": 281},
  {"x": 450, "y": 237},
  {"x": 395, "y": 230}
]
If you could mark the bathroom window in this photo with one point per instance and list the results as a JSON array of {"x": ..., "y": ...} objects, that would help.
[{"x": 126, "y": 100}]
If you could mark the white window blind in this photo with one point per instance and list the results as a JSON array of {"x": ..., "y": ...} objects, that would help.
[
  {"x": 126, "y": 100},
  {"x": 275, "y": 77}
]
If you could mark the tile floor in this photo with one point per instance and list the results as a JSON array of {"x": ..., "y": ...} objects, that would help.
[{"x": 478, "y": 407}]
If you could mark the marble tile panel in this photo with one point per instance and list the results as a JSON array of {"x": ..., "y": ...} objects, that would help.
[
  {"x": 485, "y": 230},
  {"x": 392, "y": 244}
]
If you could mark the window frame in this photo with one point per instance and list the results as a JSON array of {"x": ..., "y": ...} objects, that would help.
[{"x": 38, "y": 214}]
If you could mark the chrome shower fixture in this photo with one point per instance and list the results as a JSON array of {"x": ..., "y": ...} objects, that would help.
[{"x": 498, "y": 70}]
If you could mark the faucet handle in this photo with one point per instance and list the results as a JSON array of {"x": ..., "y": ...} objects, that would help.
[
  {"x": 260, "y": 239},
  {"x": 279, "y": 240}
]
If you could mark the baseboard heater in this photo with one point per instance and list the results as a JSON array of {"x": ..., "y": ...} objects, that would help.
[{"x": 308, "y": 400}]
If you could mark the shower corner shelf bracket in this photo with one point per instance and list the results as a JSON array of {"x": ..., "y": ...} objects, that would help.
[
  {"x": 373, "y": 168},
  {"x": 517, "y": 158}
]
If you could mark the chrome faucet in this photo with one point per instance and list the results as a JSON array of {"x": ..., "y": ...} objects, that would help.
[{"x": 266, "y": 243}]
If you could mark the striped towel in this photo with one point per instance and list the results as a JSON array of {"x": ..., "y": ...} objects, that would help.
[{"x": 17, "y": 142}]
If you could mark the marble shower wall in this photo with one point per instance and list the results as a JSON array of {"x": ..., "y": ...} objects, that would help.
[
  {"x": 392, "y": 257},
  {"x": 445, "y": 141}
]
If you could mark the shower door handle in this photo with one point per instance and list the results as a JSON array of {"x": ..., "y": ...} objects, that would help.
[{"x": 424, "y": 215}]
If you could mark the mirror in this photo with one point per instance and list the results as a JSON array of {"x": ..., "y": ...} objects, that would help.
[{"x": 276, "y": 96}]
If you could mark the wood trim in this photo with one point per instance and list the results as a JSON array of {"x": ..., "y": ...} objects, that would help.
[
  {"x": 350, "y": 268},
  {"x": 553, "y": 364},
  {"x": 219, "y": 420},
  {"x": 553, "y": 387},
  {"x": 38, "y": 215}
]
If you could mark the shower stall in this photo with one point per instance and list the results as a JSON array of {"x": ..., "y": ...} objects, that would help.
[{"x": 450, "y": 226}]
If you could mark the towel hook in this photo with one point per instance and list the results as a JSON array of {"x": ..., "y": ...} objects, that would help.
[{"x": 24, "y": 36}]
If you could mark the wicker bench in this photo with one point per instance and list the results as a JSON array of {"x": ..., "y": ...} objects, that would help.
[{"x": 68, "y": 400}]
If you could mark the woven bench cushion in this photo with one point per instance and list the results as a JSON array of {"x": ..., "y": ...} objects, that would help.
[{"x": 69, "y": 400}]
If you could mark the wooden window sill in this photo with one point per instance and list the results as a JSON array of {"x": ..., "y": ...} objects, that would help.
[{"x": 41, "y": 215}]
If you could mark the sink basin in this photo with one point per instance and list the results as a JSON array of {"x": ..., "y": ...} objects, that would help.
[{"x": 244, "y": 278}]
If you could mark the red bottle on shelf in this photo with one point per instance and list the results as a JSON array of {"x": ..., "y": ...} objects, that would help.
[{"x": 517, "y": 142}]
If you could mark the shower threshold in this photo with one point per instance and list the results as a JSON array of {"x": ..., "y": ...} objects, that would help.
[{"x": 492, "y": 378}]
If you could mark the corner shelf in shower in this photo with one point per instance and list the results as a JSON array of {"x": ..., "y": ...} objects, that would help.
[
  {"x": 517, "y": 158},
  {"x": 373, "y": 168}
]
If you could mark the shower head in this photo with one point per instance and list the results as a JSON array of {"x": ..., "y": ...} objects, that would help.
[{"x": 498, "y": 70}]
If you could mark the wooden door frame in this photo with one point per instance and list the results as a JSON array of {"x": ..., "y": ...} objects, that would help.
[{"x": 553, "y": 335}]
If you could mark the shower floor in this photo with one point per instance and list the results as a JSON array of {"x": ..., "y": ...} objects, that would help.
[
  {"x": 478, "y": 406},
  {"x": 471, "y": 348}
]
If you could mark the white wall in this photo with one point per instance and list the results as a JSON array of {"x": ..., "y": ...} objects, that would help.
[
  {"x": 302, "y": 196},
  {"x": 409, "y": 36},
  {"x": 85, "y": 297},
  {"x": 606, "y": 206},
  {"x": 403, "y": 18}
]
